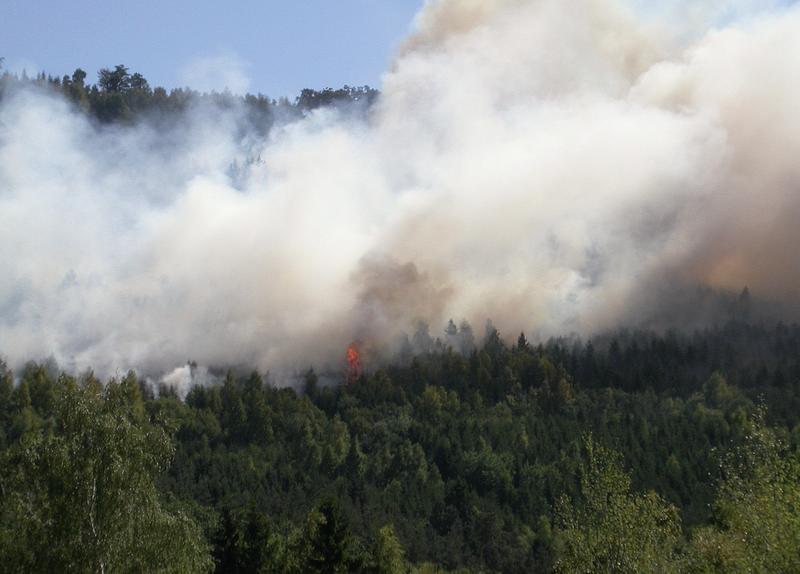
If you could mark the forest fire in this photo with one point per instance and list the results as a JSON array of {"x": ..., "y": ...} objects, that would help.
[{"x": 353, "y": 363}]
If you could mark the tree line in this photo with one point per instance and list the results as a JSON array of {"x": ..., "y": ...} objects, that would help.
[
  {"x": 631, "y": 452},
  {"x": 124, "y": 97}
]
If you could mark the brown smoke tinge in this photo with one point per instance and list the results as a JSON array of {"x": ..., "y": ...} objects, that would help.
[
  {"x": 392, "y": 294},
  {"x": 746, "y": 81},
  {"x": 618, "y": 156},
  {"x": 440, "y": 22},
  {"x": 554, "y": 166}
]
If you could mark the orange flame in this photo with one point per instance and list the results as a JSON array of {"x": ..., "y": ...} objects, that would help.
[
  {"x": 353, "y": 357},
  {"x": 353, "y": 364}
]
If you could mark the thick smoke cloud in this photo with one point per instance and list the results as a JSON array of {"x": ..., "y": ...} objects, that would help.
[{"x": 554, "y": 166}]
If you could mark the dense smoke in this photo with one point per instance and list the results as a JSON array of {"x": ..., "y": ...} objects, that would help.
[{"x": 554, "y": 166}]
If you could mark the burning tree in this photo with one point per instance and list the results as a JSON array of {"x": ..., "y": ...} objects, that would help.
[{"x": 354, "y": 368}]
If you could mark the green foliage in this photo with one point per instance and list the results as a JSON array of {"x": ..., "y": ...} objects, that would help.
[
  {"x": 326, "y": 543},
  {"x": 757, "y": 511},
  {"x": 473, "y": 455},
  {"x": 389, "y": 553},
  {"x": 80, "y": 496},
  {"x": 116, "y": 80},
  {"x": 124, "y": 97},
  {"x": 611, "y": 528},
  {"x": 467, "y": 449}
]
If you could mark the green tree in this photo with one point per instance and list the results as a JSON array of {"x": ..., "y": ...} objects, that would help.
[
  {"x": 328, "y": 540},
  {"x": 757, "y": 511},
  {"x": 138, "y": 82},
  {"x": 81, "y": 496},
  {"x": 116, "y": 80},
  {"x": 611, "y": 528},
  {"x": 389, "y": 553},
  {"x": 6, "y": 405},
  {"x": 78, "y": 77},
  {"x": 311, "y": 385},
  {"x": 6, "y": 387}
]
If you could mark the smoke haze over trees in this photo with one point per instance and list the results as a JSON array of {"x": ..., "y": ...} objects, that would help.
[
  {"x": 529, "y": 307},
  {"x": 554, "y": 167},
  {"x": 654, "y": 453}
]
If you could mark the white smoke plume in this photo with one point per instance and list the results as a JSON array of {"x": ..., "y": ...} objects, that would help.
[
  {"x": 181, "y": 380},
  {"x": 551, "y": 165}
]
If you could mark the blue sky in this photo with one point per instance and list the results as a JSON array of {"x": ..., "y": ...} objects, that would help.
[{"x": 276, "y": 47}]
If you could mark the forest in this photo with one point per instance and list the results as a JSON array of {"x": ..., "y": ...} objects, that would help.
[
  {"x": 471, "y": 450},
  {"x": 123, "y": 97},
  {"x": 631, "y": 452}
]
